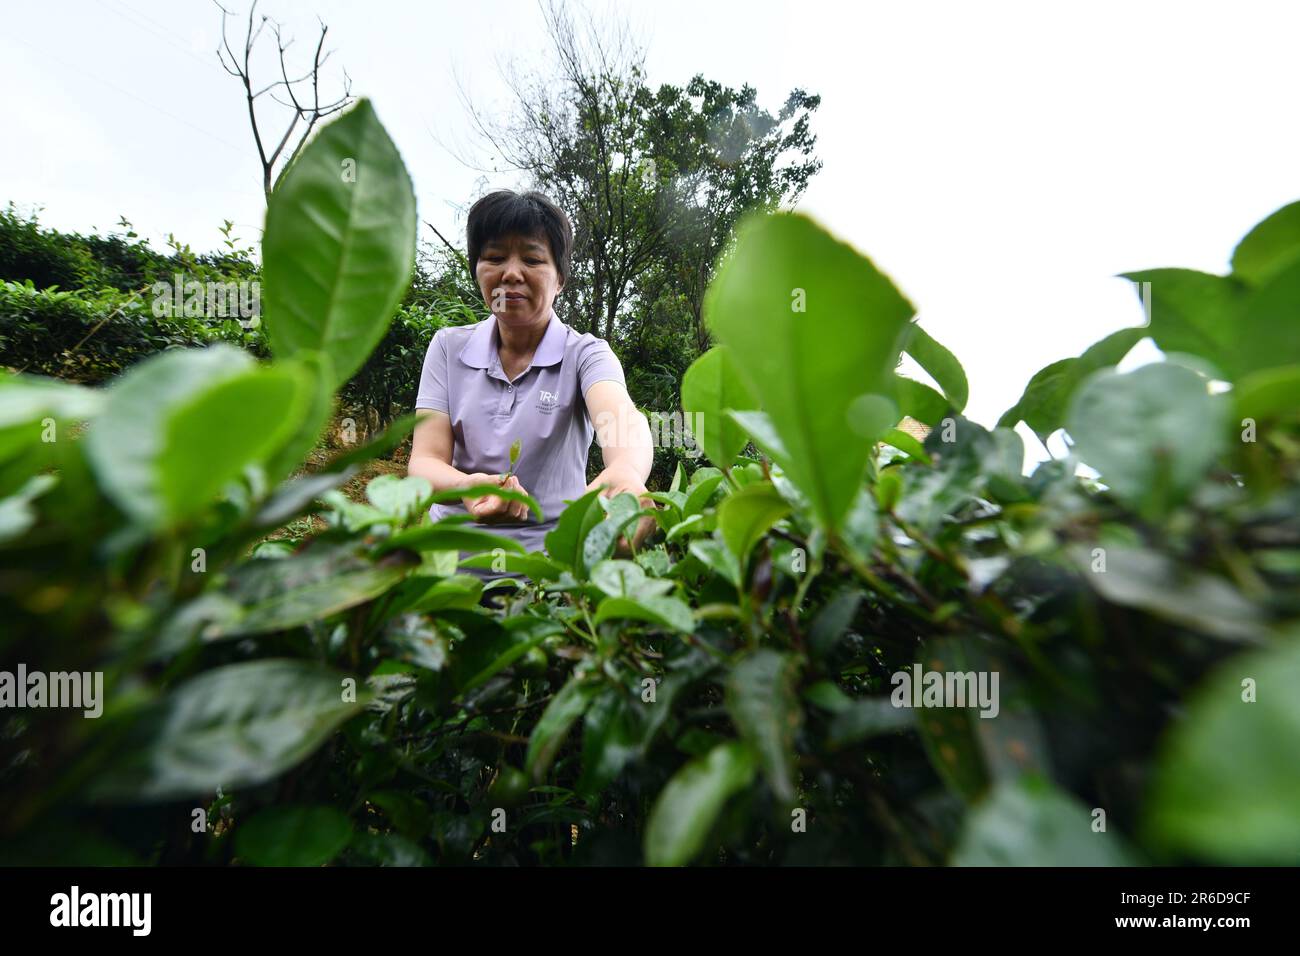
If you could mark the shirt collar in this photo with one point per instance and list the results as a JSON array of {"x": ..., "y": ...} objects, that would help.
[{"x": 481, "y": 350}]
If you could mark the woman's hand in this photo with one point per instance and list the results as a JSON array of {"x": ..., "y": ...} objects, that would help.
[
  {"x": 489, "y": 509},
  {"x": 617, "y": 481}
]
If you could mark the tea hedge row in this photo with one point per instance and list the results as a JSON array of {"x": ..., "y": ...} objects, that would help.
[{"x": 757, "y": 686}]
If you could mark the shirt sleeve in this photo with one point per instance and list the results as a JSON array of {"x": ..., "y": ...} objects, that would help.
[
  {"x": 598, "y": 363},
  {"x": 433, "y": 377}
]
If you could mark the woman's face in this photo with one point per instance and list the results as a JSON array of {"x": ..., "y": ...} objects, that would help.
[{"x": 518, "y": 278}]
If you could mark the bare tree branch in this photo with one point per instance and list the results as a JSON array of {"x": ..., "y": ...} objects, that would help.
[
  {"x": 454, "y": 251},
  {"x": 309, "y": 110}
]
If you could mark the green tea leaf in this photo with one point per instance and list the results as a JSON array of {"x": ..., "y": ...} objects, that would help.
[
  {"x": 1268, "y": 334},
  {"x": 763, "y": 432},
  {"x": 399, "y": 497},
  {"x": 712, "y": 384},
  {"x": 695, "y": 524},
  {"x": 475, "y": 491},
  {"x": 718, "y": 558},
  {"x": 1194, "y": 312},
  {"x": 866, "y": 718},
  {"x": 678, "y": 475},
  {"x": 918, "y": 400},
  {"x": 317, "y": 377},
  {"x": 292, "y": 836},
  {"x": 1152, "y": 433},
  {"x": 235, "y": 726},
  {"x": 620, "y": 511},
  {"x": 1046, "y": 398},
  {"x": 296, "y": 497},
  {"x": 379, "y": 445},
  {"x": 1137, "y": 577},
  {"x": 1269, "y": 394},
  {"x": 762, "y": 701},
  {"x": 447, "y": 537},
  {"x": 907, "y": 444},
  {"x": 489, "y": 656},
  {"x": 812, "y": 325},
  {"x": 552, "y": 727},
  {"x": 832, "y": 621},
  {"x": 180, "y": 425},
  {"x": 16, "y": 511},
  {"x": 564, "y": 543},
  {"x": 689, "y": 805},
  {"x": 26, "y": 400},
  {"x": 667, "y": 612},
  {"x": 610, "y": 739},
  {"x": 1029, "y": 822},
  {"x": 700, "y": 494},
  {"x": 1271, "y": 246},
  {"x": 1228, "y": 782},
  {"x": 339, "y": 244},
  {"x": 312, "y": 601},
  {"x": 960, "y": 450},
  {"x": 941, "y": 364},
  {"x": 534, "y": 565},
  {"x": 455, "y": 591},
  {"x": 387, "y": 849},
  {"x": 948, "y": 732},
  {"x": 409, "y": 814},
  {"x": 626, "y": 579},
  {"x": 746, "y": 515}
]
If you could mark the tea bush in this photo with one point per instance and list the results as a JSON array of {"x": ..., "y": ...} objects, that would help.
[
  {"x": 28, "y": 252},
  {"x": 755, "y": 688},
  {"x": 89, "y": 338}
]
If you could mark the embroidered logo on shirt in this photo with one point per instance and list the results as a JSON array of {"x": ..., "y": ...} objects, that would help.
[{"x": 546, "y": 401}]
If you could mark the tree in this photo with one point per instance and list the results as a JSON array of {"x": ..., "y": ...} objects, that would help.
[
  {"x": 720, "y": 157},
  {"x": 654, "y": 180},
  {"x": 303, "y": 92}
]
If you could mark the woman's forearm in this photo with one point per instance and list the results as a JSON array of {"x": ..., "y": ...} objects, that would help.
[
  {"x": 630, "y": 448},
  {"x": 441, "y": 475}
]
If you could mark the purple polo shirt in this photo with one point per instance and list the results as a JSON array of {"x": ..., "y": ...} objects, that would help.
[{"x": 544, "y": 407}]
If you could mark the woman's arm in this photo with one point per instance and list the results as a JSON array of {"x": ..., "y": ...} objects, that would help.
[
  {"x": 433, "y": 445},
  {"x": 621, "y": 431},
  {"x": 628, "y": 449},
  {"x": 431, "y": 450},
  {"x": 431, "y": 453}
]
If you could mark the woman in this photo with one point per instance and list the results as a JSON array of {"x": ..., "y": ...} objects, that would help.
[{"x": 523, "y": 374}]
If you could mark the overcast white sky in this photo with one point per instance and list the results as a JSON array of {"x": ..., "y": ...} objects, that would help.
[{"x": 1001, "y": 161}]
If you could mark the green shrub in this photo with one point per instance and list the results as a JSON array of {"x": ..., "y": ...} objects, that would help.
[
  {"x": 735, "y": 693},
  {"x": 48, "y": 257},
  {"x": 390, "y": 377},
  {"x": 42, "y": 256},
  {"x": 101, "y": 320},
  {"x": 89, "y": 337}
]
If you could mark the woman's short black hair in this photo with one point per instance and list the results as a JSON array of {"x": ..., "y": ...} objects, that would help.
[{"x": 506, "y": 213}]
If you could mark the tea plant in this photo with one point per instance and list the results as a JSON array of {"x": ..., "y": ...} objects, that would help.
[
  {"x": 753, "y": 689},
  {"x": 514, "y": 460}
]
